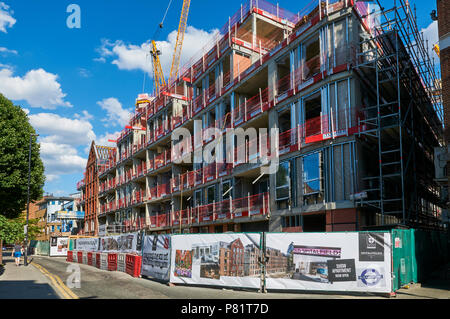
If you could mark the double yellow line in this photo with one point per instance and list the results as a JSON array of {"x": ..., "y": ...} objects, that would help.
[{"x": 57, "y": 282}]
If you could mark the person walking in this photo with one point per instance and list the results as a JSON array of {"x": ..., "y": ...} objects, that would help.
[{"x": 17, "y": 253}]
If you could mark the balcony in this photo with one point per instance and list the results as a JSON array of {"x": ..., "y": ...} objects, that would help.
[
  {"x": 344, "y": 122},
  {"x": 162, "y": 159},
  {"x": 255, "y": 205},
  {"x": 140, "y": 146},
  {"x": 182, "y": 182},
  {"x": 191, "y": 179},
  {"x": 124, "y": 155},
  {"x": 140, "y": 170},
  {"x": 138, "y": 197},
  {"x": 251, "y": 107},
  {"x": 125, "y": 202},
  {"x": 163, "y": 190}
]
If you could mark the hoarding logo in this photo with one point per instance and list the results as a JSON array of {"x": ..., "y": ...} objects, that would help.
[
  {"x": 370, "y": 277},
  {"x": 371, "y": 246}
]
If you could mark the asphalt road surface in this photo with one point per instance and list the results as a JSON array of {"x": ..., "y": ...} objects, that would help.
[{"x": 96, "y": 283}]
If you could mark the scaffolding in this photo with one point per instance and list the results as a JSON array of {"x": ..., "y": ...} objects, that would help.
[{"x": 402, "y": 114}]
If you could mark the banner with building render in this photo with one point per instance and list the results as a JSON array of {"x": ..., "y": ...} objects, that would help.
[
  {"x": 230, "y": 260},
  {"x": 156, "y": 256},
  {"x": 59, "y": 246},
  {"x": 359, "y": 262},
  {"x": 126, "y": 243}
]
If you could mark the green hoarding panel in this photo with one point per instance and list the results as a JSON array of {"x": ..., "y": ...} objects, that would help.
[{"x": 403, "y": 258}]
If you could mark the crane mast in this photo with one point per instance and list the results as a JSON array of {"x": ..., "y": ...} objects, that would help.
[
  {"x": 180, "y": 38},
  {"x": 158, "y": 75}
]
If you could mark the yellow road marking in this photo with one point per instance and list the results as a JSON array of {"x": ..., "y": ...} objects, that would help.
[{"x": 65, "y": 291}]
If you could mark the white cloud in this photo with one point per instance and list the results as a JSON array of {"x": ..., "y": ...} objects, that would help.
[
  {"x": 60, "y": 159},
  {"x": 115, "y": 113},
  {"x": 431, "y": 34},
  {"x": 100, "y": 59},
  {"x": 62, "y": 130},
  {"x": 38, "y": 87},
  {"x": 85, "y": 116},
  {"x": 51, "y": 177},
  {"x": 6, "y": 66},
  {"x": 6, "y": 51},
  {"x": 60, "y": 139},
  {"x": 6, "y": 19},
  {"x": 84, "y": 73},
  {"x": 136, "y": 57},
  {"x": 104, "y": 139}
]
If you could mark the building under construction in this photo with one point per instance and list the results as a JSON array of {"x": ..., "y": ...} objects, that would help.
[{"x": 355, "y": 98}]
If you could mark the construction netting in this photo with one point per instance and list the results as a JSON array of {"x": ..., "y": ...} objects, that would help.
[
  {"x": 403, "y": 258},
  {"x": 432, "y": 251},
  {"x": 416, "y": 254}
]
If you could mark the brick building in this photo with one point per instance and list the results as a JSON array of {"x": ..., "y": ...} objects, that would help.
[
  {"x": 356, "y": 114},
  {"x": 99, "y": 156}
]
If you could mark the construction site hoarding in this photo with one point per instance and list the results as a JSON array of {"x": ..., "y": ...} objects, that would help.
[
  {"x": 59, "y": 246},
  {"x": 86, "y": 244},
  {"x": 127, "y": 243},
  {"x": 229, "y": 260},
  {"x": 156, "y": 257},
  {"x": 357, "y": 262}
]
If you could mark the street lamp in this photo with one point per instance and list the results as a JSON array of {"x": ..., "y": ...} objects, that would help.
[{"x": 25, "y": 262}]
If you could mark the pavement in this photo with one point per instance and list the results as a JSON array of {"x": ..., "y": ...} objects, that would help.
[
  {"x": 20, "y": 282},
  {"x": 51, "y": 277}
]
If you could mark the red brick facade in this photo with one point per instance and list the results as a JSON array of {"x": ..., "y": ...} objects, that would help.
[
  {"x": 443, "y": 11},
  {"x": 91, "y": 193}
]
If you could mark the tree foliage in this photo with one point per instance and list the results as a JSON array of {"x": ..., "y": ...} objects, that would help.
[
  {"x": 15, "y": 131},
  {"x": 11, "y": 230}
]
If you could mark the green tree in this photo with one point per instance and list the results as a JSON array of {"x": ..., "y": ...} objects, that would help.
[
  {"x": 11, "y": 230},
  {"x": 15, "y": 132}
]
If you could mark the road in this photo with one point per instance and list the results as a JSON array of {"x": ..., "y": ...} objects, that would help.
[{"x": 96, "y": 283}]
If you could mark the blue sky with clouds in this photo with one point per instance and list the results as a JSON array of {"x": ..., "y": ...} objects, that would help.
[{"x": 81, "y": 84}]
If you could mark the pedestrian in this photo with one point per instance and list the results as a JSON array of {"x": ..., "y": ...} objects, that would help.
[{"x": 17, "y": 253}]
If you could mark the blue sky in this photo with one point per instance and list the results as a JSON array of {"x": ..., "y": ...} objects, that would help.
[{"x": 81, "y": 84}]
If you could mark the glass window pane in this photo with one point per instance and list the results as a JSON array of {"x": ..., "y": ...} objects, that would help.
[
  {"x": 311, "y": 167},
  {"x": 283, "y": 174},
  {"x": 312, "y": 187},
  {"x": 226, "y": 187},
  {"x": 283, "y": 193},
  {"x": 211, "y": 194}
]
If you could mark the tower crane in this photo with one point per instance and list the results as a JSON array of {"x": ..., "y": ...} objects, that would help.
[
  {"x": 158, "y": 75},
  {"x": 180, "y": 38},
  {"x": 159, "y": 80}
]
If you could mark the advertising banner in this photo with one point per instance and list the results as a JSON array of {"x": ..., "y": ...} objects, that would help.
[
  {"x": 127, "y": 243},
  {"x": 357, "y": 262},
  {"x": 58, "y": 246},
  {"x": 230, "y": 260},
  {"x": 156, "y": 256},
  {"x": 86, "y": 244}
]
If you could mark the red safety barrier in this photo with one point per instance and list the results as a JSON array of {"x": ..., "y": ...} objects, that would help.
[
  {"x": 133, "y": 265},
  {"x": 89, "y": 259},
  {"x": 112, "y": 262},
  {"x": 97, "y": 260},
  {"x": 80, "y": 257},
  {"x": 70, "y": 256}
]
